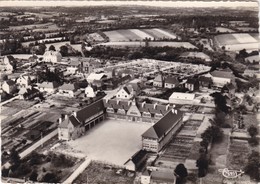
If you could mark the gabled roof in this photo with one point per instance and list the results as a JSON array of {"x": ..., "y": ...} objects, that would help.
[
  {"x": 163, "y": 125},
  {"x": 191, "y": 81},
  {"x": 126, "y": 90},
  {"x": 64, "y": 123},
  {"x": 137, "y": 157},
  {"x": 158, "y": 78},
  {"x": 222, "y": 74},
  {"x": 229, "y": 86},
  {"x": 171, "y": 80},
  {"x": 204, "y": 79},
  {"x": 10, "y": 82},
  {"x": 74, "y": 121},
  {"x": 96, "y": 76},
  {"x": 51, "y": 85},
  {"x": 90, "y": 110},
  {"x": 69, "y": 86}
]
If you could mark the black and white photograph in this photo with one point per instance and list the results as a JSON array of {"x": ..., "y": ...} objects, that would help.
[{"x": 130, "y": 92}]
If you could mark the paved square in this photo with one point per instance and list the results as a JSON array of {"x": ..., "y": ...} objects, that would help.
[{"x": 113, "y": 141}]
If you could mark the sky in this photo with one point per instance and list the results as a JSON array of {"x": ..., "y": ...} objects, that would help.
[{"x": 149, "y": 3}]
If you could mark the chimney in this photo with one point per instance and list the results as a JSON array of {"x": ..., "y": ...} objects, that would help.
[
  {"x": 117, "y": 102},
  {"x": 167, "y": 106},
  {"x": 74, "y": 114},
  {"x": 129, "y": 103},
  {"x": 66, "y": 116},
  {"x": 60, "y": 120},
  {"x": 154, "y": 106},
  {"x": 143, "y": 104}
]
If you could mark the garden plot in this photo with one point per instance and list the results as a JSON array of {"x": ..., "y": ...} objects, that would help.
[
  {"x": 21, "y": 104},
  {"x": 112, "y": 141},
  {"x": 176, "y": 152},
  {"x": 92, "y": 175},
  {"x": 237, "y": 155}
]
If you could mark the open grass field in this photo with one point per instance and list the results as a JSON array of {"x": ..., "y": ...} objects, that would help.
[
  {"x": 112, "y": 141},
  {"x": 138, "y": 34}
]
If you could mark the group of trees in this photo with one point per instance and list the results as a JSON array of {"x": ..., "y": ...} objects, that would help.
[
  {"x": 253, "y": 166},
  {"x": 211, "y": 135},
  {"x": 253, "y": 131}
]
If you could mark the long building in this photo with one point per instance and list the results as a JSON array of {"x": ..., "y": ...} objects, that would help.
[{"x": 156, "y": 137}]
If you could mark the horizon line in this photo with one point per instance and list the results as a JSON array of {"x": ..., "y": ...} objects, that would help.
[{"x": 154, "y": 3}]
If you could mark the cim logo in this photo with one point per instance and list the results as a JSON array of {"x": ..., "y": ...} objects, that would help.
[{"x": 230, "y": 173}]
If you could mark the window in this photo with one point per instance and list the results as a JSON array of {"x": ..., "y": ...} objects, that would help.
[{"x": 125, "y": 96}]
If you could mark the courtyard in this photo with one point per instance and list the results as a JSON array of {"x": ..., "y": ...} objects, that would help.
[{"x": 112, "y": 141}]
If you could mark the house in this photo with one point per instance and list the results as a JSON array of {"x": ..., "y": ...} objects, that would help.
[
  {"x": 81, "y": 121},
  {"x": 136, "y": 160},
  {"x": 126, "y": 92},
  {"x": 181, "y": 98},
  {"x": 7, "y": 64},
  {"x": 96, "y": 77},
  {"x": 70, "y": 128},
  {"x": 9, "y": 86},
  {"x": 156, "y": 137},
  {"x": 28, "y": 93},
  {"x": 192, "y": 84},
  {"x": 205, "y": 81},
  {"x": 222, "y": 77},
  {"x": 68, "y": 89},
  {"x": 23, "y": 81},
  {"x": 49, "y": 87},
  {"x": 78, "y": 66},
  {"x": 199, "y": 55},
  {"x": 52, "y": 56},
  {"x": 159, "y": 81},
  {"x": 133, "y": 111},
  {"x": 253, "y": 59},
  {"x": 171, "y": 82},
  {"x": 91, "y": 91},
  {"x": 229, "y": 88},
  {"x": 114, "y": 82}
]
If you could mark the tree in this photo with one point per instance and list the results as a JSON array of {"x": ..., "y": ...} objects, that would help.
[
  {"x": 50, "y": 178},
  {"x": 252, "y": 130},
  {"x": 253, "y": 141},
  {"x": 33, "y": 176},
  {"x": 15, "y": 157},
  {"x": 253, "y": 166},
  {"x": 212, "y": 134},
  {"x": 202, "y": 164},
  {"x": 205, "y": 144},
  {"x": 64, "y": 50},
  {"x": 52, "y": 48},
  {"x": 180, "y": 173}
]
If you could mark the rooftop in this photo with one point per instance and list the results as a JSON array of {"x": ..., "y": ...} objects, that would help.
[{"x": 164, "y": 124}]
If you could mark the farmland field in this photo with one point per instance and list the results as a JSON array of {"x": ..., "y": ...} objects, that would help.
[
  {"x": 138, "y": 34},
  {"x": 151, "y": 44},
  {"x": 32, "y": 26},
  {"x": 229, "y": 39},
  {"x": 236, "y": 42}
]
